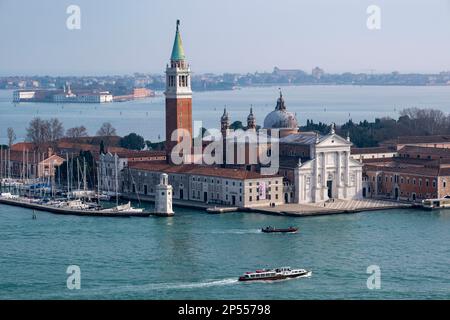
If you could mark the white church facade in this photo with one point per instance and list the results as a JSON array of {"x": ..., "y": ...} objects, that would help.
[{"x": 331, "y": 173}]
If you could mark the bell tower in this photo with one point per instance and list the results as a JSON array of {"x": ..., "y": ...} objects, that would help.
[{"x": 178, "y": 95}]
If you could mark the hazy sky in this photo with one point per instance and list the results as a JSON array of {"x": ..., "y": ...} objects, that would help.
[{"x": 125, "y": 36}]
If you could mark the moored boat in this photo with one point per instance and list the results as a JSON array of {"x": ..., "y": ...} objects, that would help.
[
  {"x": 275, "y": 274},
  {"x": 430, "y": 204},
  {"x": 275, "y": 230},
  {"x": 123, "y": 208}
]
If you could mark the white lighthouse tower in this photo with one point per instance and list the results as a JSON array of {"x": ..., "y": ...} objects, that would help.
[{"x": 163, "y": 199}]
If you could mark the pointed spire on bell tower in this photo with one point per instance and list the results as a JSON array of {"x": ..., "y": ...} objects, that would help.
[{"x": 177, "y": 50}]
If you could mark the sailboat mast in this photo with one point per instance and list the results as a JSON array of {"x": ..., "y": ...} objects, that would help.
[
  {"x": 68, "y": 182},
  {"x": 117, "y": 179},
  {"x": 84, "y": 174},
  {"x": 78, "y": 174}
]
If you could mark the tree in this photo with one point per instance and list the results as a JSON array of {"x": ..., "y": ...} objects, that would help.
[
  {"x": 77, "y": 132},
  {"x": 237, "y": 125},
  {"x": 38, "y": 131},
  {"x": 155, "y": 146},
  {"x": 11, "y": 136},
  {"x": 56, "y": 129},
  {"x": 41, "y": 131},
  {"x": 132, "y": 141},
  {"x": 106, "y": 130}
]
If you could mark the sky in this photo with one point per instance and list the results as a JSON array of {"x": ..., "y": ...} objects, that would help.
[{"x": 123, "y": 37}]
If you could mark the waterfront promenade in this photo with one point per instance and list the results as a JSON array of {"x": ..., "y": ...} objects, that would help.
[
  {"x": 328, "y": 208},
  {"x": 290, "y": 209}
]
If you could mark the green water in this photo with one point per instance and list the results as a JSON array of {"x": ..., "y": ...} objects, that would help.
[{"x": 199, "y": 256}]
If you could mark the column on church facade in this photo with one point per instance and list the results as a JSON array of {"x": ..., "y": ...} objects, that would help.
[
  {"x": 315, "y": 187},
  {"x": 347, "y": 173},
  {"x": 324, "y": 176},
  {"x": 338, "y": 174},
  {"x": 339, "y": 171}
]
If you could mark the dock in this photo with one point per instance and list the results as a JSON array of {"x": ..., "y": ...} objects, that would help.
[
  {"x": 331, "y": 208},
  {"x": 72, "y": 212},
  {"x": 292, "y": 209}
]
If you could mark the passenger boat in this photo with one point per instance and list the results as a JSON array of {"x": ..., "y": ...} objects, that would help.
[
  {"x": 275, "y": 230},
  {"x": 431, "y": 204},
  {"x": 275, "y": 274}
]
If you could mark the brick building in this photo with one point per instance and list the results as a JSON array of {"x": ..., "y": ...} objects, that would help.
[
  {"x": 417, "y": 173},
  {"x": 205, "y": 184}
]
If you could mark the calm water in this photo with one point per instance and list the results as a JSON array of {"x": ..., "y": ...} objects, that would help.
[
  {"x": 198, "y": 256},
  {"x": 146, "y": 117}
]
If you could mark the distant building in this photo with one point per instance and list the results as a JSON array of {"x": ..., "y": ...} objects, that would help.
[
  {"x": 373, "y": 153},
  {"x": 286, "y": 72},
  {"x": 23, "y": 95},
  {"x": 62, "y": 96},
  {"x": 82, "y": 97},
  {"x": 317, "y": 73},
  {"x": 435, "y": 141}
]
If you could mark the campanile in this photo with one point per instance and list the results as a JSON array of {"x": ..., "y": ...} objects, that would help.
[{"x": 178, "y": 94}]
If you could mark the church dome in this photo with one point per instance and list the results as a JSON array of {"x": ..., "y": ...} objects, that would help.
[{"x": 280, "y": 118}]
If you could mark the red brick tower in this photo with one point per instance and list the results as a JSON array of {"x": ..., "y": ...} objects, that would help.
[{"x": 178, "y": 94}]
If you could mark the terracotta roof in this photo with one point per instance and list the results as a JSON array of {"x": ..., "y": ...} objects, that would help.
[
  {"x": 372, "y": 150},
  {"x": 417, "y": 170},
  {"x": 441, "y": 152},
  {"x": 56, "y": 160},
  {"x": 22, "y": 146},
  {"x": 194, "y": 169},
  {"x": 139, "y": 154},
  {"x": 20, "y": 156}
]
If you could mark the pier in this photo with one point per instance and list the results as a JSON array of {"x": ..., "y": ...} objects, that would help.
[
  {"x": 67, "y": 211},
  {"x": 290, "y": 209}
]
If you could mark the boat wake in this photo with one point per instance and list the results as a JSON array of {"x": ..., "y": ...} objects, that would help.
[
  {"x": 237, "y": 231},
  {"x": 162, "y": 286}
]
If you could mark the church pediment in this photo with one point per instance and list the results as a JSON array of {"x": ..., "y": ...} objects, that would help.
[{"x": 333, "y": 140}]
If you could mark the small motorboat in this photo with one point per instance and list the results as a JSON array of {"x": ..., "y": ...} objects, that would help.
[
  {"x": 275, "y": 230},
  {"x": 275, "y": 274}
]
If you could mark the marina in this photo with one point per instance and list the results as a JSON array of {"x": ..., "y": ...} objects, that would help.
[{"x": 77, "y": 211}]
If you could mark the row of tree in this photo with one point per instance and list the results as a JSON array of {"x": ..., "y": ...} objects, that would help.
[{"x": 411, "y": 122}]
